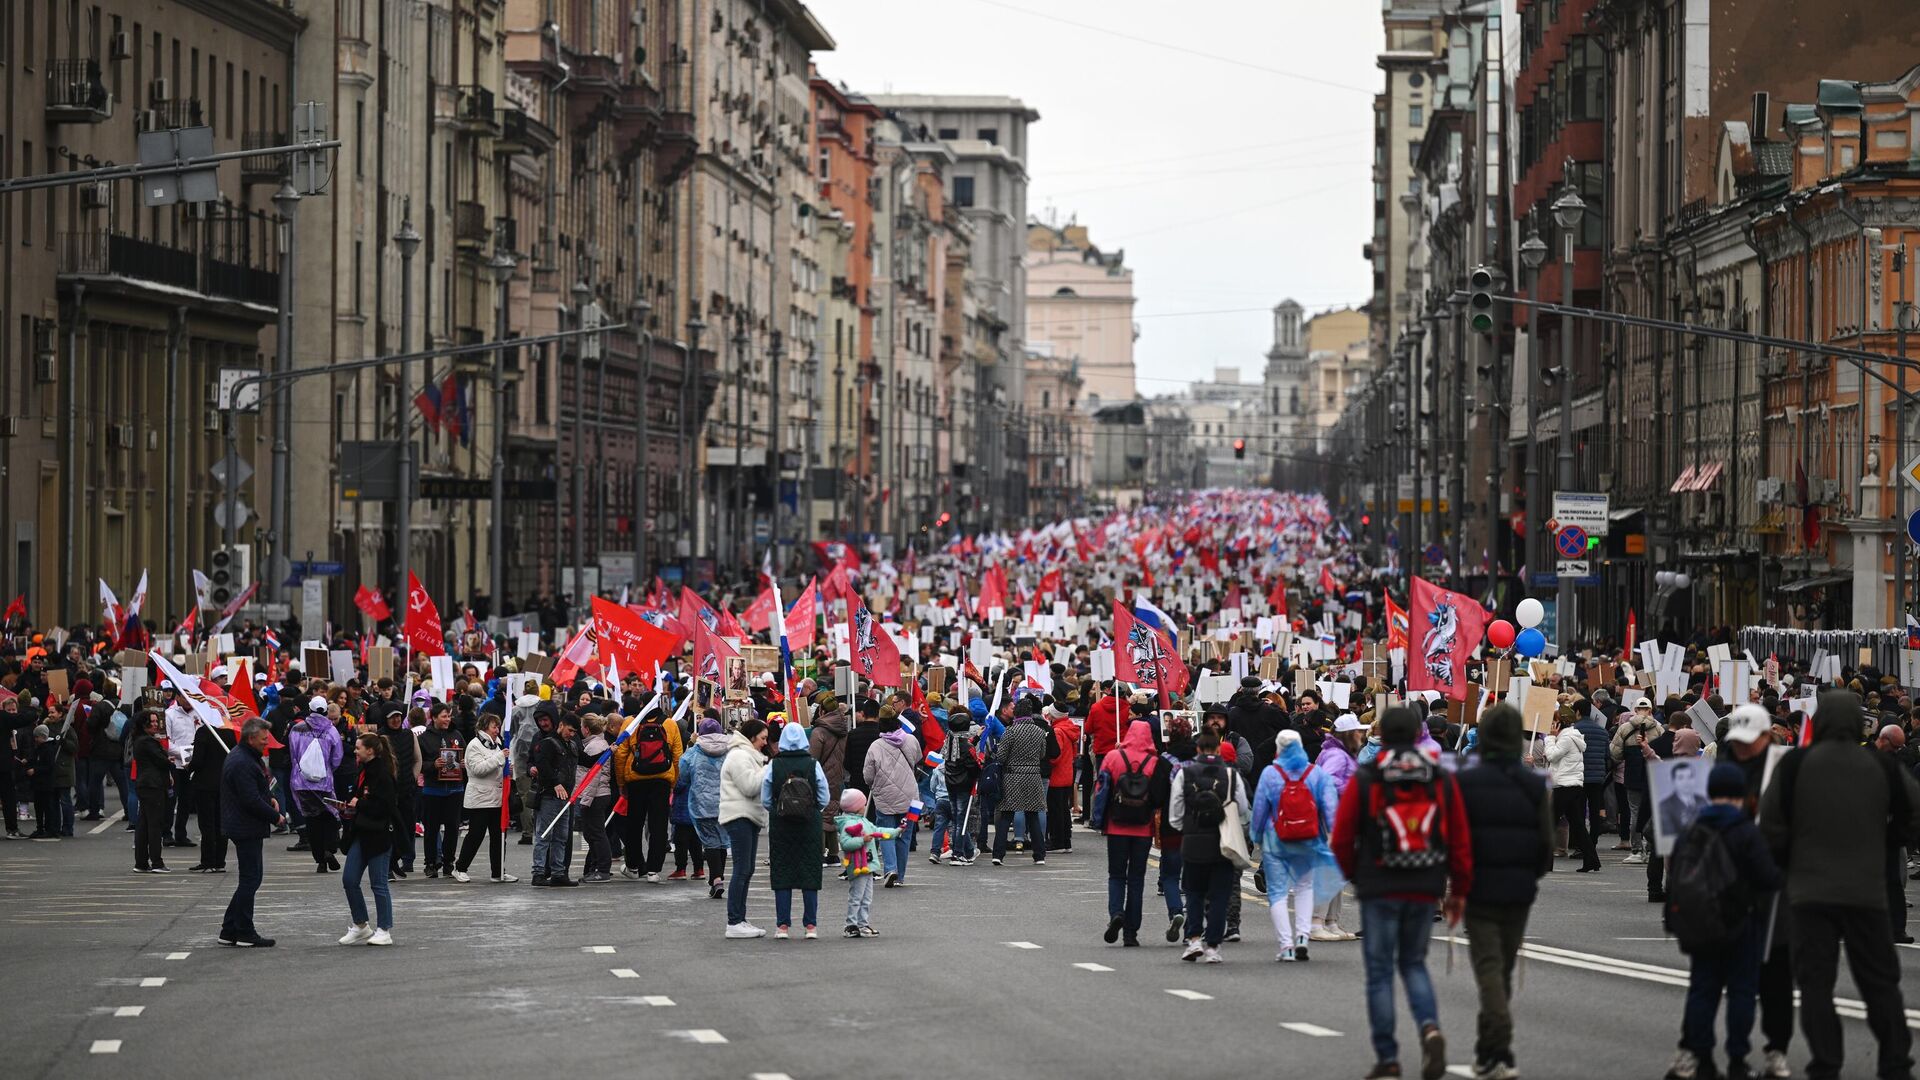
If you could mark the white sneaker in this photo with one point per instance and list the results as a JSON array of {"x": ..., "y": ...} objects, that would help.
[
  {"x": 461, "y": 876},
  {"x": 1775, "y": 1066},
  {"x": 504, "y": 879},
  {"x": 1324, "y": 933},
  {"x": 744, "y": 930},
  {"x": 1211, "y": 955},
  {"x": 1685, "y": 1066},
  {"x": 780, "y": 933},
  {"x": 1635, "y": 859},
  {"x": 1345, "y": 934},
  {"x": 812, "y": 934},
  {"x": 653, "y": 878},
  {"x": 381, "y": 937},
  {"x": 1284, "y": 956},
  {"x": 1193, "y": 950},
  {"x": 356, "y": 934}
]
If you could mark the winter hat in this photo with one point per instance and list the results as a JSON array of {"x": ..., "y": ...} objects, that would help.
[
  {"x": 82, "y": 688},
  {"x": 709, "y": 726},
  {"x": 1500, "y": 731},
  {"x": 1286, "y": 738},
  {"x": 1250, "y": 682},
  {"x": 1727, "y": 781},
  {"x": 41, "y": 731},
  {"x": 853, "y": 801}
]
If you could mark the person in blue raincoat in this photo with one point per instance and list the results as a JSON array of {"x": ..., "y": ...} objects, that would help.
[{"x": 1296, "y": 869}]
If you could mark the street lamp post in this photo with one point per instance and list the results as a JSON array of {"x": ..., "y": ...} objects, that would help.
[
  {"x": 1533, "y": 254},
  {"x": 582, "y": 293},
  {"x": 1416, "y": 413},
  {"x": 637, "y": 313},
  {"x": 408, "y": 241},
  {"x": 737, "y": 515},
  {"x": 286, "y": 200},
  {"x": 689, "y": 434},
  {"x": 839, "y": 450},
  {"x": 502, "y": 265},
  {"x": 1568, "y": 209},
  {"x": 776, "y": 349}
]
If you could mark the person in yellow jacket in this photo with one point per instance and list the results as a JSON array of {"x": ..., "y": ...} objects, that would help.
[{"x": 645, "y": 766}]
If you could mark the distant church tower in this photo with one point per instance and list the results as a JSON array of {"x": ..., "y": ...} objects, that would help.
[{"x": 1283, "y": 410}]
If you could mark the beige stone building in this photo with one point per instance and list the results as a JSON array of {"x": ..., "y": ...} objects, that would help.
[{"x": 1080, "y": 303}]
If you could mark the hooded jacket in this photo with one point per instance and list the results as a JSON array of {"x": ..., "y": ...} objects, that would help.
[
  {"x": 1135, "y": 750},
  {"x": 1567, "y": 758},
  {"x": 1101, "y": 725},
  {"x": 703, "y": 763},
  {"x": 1596, "y": 764},
  {"x": 741, "y": 775},
  {"x": 590, "y": 752},
  {"x": 486, "y": 763},
  {"x": 793, "y": 845},
  {"x": 1292, "y": 761},
  {"x": 1357, "y": 840},
  {"x": 1509, "y": 815},
  {"x": 891, "y": 783},
  {"x": 1023, "y": 768},
  {"x": 314, "y": 728},
  {"x": 1834, "y": 839},
  {"x": 246, "y": 806},
  {"x": 1060, "y": 773},
  {"x": 827, "y": 742},
  {"x": 1336, "y": 761},
  {"x": 623, "y": 773}
]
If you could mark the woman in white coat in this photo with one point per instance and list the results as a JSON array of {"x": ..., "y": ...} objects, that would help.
[
  {"x": 1566, "y": 753},
  {"x": 486, "y": 765},
  {"x": 743, "y": 816}
]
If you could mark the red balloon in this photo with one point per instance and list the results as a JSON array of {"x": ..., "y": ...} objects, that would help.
[{"x": 1500, "y": 634}]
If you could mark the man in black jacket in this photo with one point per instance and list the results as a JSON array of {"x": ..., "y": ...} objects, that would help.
[
  {"x": 1252, "y": 718},
  {"x": 152, "y": 776},
  {"x": 248, "y": 814},
  {"x": 203, "y": 782},
  {"x": 1510, "y": 821},
  {"x": 553, "y": 773},
  {"x": 280, "y": 720}
]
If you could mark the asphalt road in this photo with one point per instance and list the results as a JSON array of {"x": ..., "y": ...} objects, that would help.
[{"x": 979, "y": 971}]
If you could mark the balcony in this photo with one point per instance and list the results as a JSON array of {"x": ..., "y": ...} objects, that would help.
[
  {"x": 75, "y": 94},
  {"x": 522, "y": 134},
  {"x": 268, "y": 169},
  {"x": 473, "y": 112},
  {"x": 169, "y": 115},
  {"x": 225, "y": 271},
  {"x": 636, "y": 116},
  {"x": 471, "y": 229}
]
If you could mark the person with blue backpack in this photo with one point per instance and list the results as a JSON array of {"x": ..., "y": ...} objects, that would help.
[{"x": 1293, "y": 809}]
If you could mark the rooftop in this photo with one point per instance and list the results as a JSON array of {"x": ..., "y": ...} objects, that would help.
[{"x": 981, "y": 103}]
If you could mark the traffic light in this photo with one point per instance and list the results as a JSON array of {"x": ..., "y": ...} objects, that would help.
[
  {"x": 1366, "y": 520},
  {"x": 1480, "y": 300},
  {"x": 231, "y": 567},
  {"x": 1239, "y": 449}
]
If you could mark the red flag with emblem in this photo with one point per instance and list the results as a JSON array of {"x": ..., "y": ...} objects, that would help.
[
  {"x": 1396, "y": 625},
  {"x": 876, "y": 658},
  {"x": 1444, "y": 629},
  {"x": 632, "y": 642},
  {"x": 422, "y": 630},
  {"x": 801, "y": 618}
]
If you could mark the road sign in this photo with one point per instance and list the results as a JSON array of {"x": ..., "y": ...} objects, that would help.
[
  {"x": 248, "y": 399},
  {"x": 1570, "y": 542},
  {"x": 1912, "y": 472},
  {"x": 1574, "y": 568},
  {"x": 1435, "y": 553},
  {"x": 309, "y": 568},
  {"x": 1588, "y": 510},
  {"x": 231, "y": 463},
  {"x": 1552, "y": 526},
  {"x": 1913, "y": 527},
  {"x": 240, "y": 512}
]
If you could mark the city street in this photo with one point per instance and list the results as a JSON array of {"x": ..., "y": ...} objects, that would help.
[{"x": 979, "y": 971}]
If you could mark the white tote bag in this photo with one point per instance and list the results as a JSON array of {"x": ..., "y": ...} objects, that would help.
[{"x": 1233, "y": 839}]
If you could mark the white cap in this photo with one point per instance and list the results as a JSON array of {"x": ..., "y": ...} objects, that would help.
[
  {"x": 317, "y": 704},
  {"x": 1747, "y": 723},
  {"x": 220, "y": 671},
  {"x": 1348, "y": 722}
]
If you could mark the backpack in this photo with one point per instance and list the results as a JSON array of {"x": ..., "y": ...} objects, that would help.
[
  {"x": 650, "y": 756},
  {"x": 117, "y": 727},
  {"x": 1132, "y": 796},
  {"x": 1298, "y": 815},
  {"x": 313, "y": 762},
  {"x": 1706, "y": 901},
  {"x": 797, "y": 799},
  {"x": 1206, "y": 806},
  {"x": 1410, "y": 824}
]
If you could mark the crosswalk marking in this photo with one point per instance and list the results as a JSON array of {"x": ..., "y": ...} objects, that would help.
[
  {"x": 1191, "y": 995},
  {"x": 125, "y": 1011},
  {"x": 1093, "y": 967},
  {"x": 1021, "y": 945},
  {"x": 658, "y": 1001},
  {"x": 1315, "y": 1030},
  {"x": 599, "y": 948},
  {"x": 178, "y": 955},
  {"x": 706, "y": 1036},
  {"x": 152, "y": 982},
  {"x": 624, "y": 973},
  {"x": 104, "y": 1046}
]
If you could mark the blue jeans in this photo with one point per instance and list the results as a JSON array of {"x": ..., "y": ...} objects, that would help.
[
  {"x": 1396, "y": 936},
  {"x": 237, "y": 924},
  {"x": 66, "y": 811},
  {"x": 283, "y": 792},
  {"x": 783, "y": 907},
  {"x": 375, "y": 867},
  {"x": 1127, "y": 878},
  {"x": 90, "y": 774},
  {"x": 955, "y": 822},
  {"x": 1036, "y": 826},
  {"x": 942, "y": 822},
  {"x": 743, "y": 837},
  {"x": 893, "y": 853},
  {"x": 551, "y": 850},
  {"x": 1734, "y": 969},
  {"x": 1170, "y": 864}
]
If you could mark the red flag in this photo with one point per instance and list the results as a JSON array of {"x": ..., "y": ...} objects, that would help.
[
  {"x": 16, "y": 609},
  {"x": 759, "y": 614},
  {"x": 1277, "y": 596},
  {"x": 423, "y": 631},
  {"x": 371, "y": 604},
  {"x": 711, "y": 654},
  {"x": 634, "y": 643},
  {"x": 1145, "y": 656},
  {"x": 1327, "y": 584},
  {"x": 801, "y": 619},
  {"x": 876, "y": 657},
  {"x": 1396, "y": 625},
  {"x": 186, "y": 624},
  {"x": 1633, "y": 632},
  {"x": 574, "y": 656},
  {"x": 242, "y": 684},
  {"x": 1050, "y": 583},
  {"x": 1449, "y": 625}
]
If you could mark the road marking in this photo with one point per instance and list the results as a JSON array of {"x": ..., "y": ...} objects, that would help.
[
  {"x": 1315, "y": 1030},
  {"x": 769, "y": 1076},
  {"x": 658, "y": 1001},
  {"x": 105, "y": 825},
  {"x": 598, "y": 949},
  {"x": 127, "y": 1011},
  {"x": 1021, "y": 945},
  {"x": 706, "y": 1036},
  {"x": 104, "y": 1046},
  {"x": 1460, "y": 1070},
  {"x": 1093, "y": 967},
  {"x": 152, "y": 982},
  {"x": 178, "y": 955},
  {"x": 624, "y": 973},
  {"x": 1191, "y": 995}
]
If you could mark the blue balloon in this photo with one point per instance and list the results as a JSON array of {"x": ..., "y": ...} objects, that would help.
[{"x": 1530, "y": 642}]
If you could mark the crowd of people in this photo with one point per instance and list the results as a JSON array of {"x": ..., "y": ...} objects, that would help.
[{"x": 1362, "y": 809}]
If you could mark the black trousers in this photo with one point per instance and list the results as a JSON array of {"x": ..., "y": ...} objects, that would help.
[
  {"x": 9, "y": 807},
  {"x": 647, "y": 821},
  {"x": 148, "y": 838},
  {"x": 483, "y": 823},
  {"x": 1060, "y": 818},
  {"x": 686, "y": 845},
  {"x": 441, "y": 815},
  {"x": 406, "y": 811},
  {"x": 1776, "y": 988},
  {"x": 213, "y": 842},
  {"x": 182, "y": 805},
  {"x": 1819, "y": 933},
  {"x": 1571, "y": 803}
]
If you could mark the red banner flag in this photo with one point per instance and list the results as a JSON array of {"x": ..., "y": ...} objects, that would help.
[
  {"x": 1449, "y": 625},
  {"x": 1396, "y": 625},
  {"x": 1145, "y": 656},
  {"x": 802, "y": 618},
  {"x": 876, "y": 657},
  {"x": 711, "y": 654},
  {"x": 423, "y": 631},
  {"x": 371, "y": 604},
  {"x": 16, "y": 609},
  {"x": 1277, "y": 596},
  {"x": 632, "y": 642},
  {"x": 759, "y": 614}
]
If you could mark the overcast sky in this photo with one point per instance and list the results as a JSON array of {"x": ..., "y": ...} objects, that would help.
[{"x": 1233, "y": 179}]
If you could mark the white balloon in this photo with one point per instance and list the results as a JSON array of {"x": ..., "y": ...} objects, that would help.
[
  {"x": 1681, "y": 580},
  {"x": 1529, "y": 612},
  {"x": 1663, "y": 578}
]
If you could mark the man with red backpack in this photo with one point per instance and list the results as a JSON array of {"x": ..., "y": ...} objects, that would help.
[
  {"x": 646, "y": 766},
  {"x": 1401, "y": 837}
]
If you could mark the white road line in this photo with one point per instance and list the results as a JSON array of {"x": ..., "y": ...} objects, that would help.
[
  {"x": 1093, "y": 967},
  {"x": 1302, "y": 1028},
  {"x": 769, "y": 1076},
  {"x": 658, "y": 1001},
  {"x": 178, "y": 955},
  {"x": 104, "y": 1046},
  {"x": 127, "y": 1011},
  {"x": 1460, "y": 1070},
  {"x": 152, "y": 982},
  {"x": 1021, "y": 945},
  {"x": 1191, "y": 995},
  {"x": 624, "y": 973},
  {"x": 105, "y": 825},
  {"x": 706, "y": 1036},
  {"x": 598, "y": 949}
]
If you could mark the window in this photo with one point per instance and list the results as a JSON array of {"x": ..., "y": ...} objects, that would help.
[
  {"x": 359, "y": 138},
  {"x": 26, "y": 164},
  {"x": 1416, "y": 79},
  {"x": 963, "y": 191},
  {"x": 949, "y": 133},
  {"x": 1416, "y": 116},
  {"x": 1586, "y": 91},
  {"x": 1413, "y": 152},
  {"x": 990, "y": 136}
]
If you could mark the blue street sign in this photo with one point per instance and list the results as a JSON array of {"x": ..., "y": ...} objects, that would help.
[
  {"x": 1913, "y": 527},
  {"x": 1571, "y": 542},
  {"x": 319, "y": 569},
  {"x": 1435, "y": 553}
]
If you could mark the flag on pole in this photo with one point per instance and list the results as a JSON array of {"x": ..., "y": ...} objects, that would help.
[
  {"x": 1145, "y": 654},
  {"x": 631, "y": 641},
  {"x": 577, "y": 654},
  {"x": 876, "y": 657},
  {"x": 202, "y": 590},
  {"x": 16, "y": 609},
  {"x": 233, "y": 608},
  {"x": 1396, "y": 624},
  {"x": 786, "y": 652},
  {"x": 1450, "y": 626},
  {"x": 371, "y": 604},
  {"x": 798, "y": 624},
  {"x": 422, "y": 629},
  {"x": 711, "y": 655}
]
